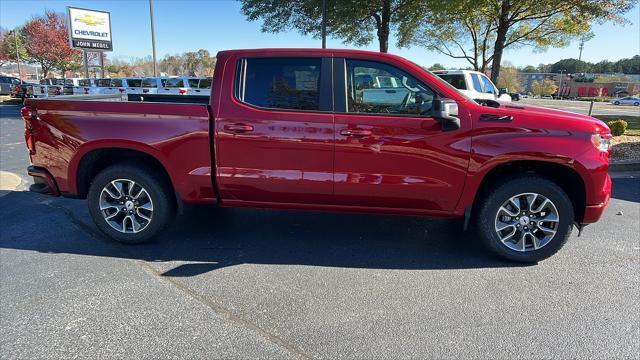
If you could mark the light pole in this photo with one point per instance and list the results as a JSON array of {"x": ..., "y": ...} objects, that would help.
[
  {"x": 153, "y": 39},
  {"x": 15, "y": 40}
]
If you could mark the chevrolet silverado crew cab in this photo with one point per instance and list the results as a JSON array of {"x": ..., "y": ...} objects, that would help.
[{"x": 338, "y": 130}]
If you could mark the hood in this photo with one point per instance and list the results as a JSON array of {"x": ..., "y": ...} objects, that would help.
[{"x": 566, "y": 119}]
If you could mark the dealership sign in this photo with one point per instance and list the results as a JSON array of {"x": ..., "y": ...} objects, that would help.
[{"x": 90, "y": 29}]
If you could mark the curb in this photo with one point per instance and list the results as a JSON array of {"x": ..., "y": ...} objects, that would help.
[
  {"x": 624, "y": 165},
  {"x": 10, "y": 182}
]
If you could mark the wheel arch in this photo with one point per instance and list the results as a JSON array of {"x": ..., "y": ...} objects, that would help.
[
  {"x": 567, "y": 178},
  {"x": 92, "y": 161}
]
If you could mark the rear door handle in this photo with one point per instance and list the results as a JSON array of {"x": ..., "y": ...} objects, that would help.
[
  {"x": 355, "y": 132},
  {"x": 238, "y": 128}
]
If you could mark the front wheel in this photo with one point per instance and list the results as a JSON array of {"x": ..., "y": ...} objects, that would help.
[
  {"x": 636, "y": 103},
  {"x": 526, "y": 219},
  {"x": 130, "y": 204},
  {"x": 616, "y": 103}
]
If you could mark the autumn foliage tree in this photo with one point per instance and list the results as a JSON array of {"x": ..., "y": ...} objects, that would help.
[{"x": 47, "y": 43}]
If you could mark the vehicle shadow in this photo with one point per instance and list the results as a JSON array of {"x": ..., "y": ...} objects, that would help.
[
  {"x": 209, "y": 238},
  {"x": 626, "y": 189}
]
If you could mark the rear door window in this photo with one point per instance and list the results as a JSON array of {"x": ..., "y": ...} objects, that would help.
[
  {"x": 134, "y": 82},
  {"x": 116, "y": 83},
  {"x": 477, "y": 84},
  {"x": 149, "y": 83},
  {"x": 205, "y": 83},
  {"x": 103, "y": 82},
  {"x": 456, "y": 80},
  {"x": 193, "y": 83},
  {"x": 281, "y": 83},
  {"x": 174, "y": 82}
]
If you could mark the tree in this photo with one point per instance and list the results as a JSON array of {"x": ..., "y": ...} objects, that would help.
[
  {"x": 47, "y": 42},
  {"x": 544, "y": 87},
  {"x": 570, "y": 66},
  {"x": 437, "y": 66},
  {"x": 480, "y": 30},
  {"x": 510, "y": 79},
  {"x": 529, "y": 69},
  {"x": 11, "y": 40},
  {"x": 356, "y": 22}
]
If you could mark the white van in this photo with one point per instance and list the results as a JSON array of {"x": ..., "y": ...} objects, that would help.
[
  {"x": 120, "y": 86},
  {"x": 48, "y": 87},
  {"x": 86, "y": 87},
  {"x": 474, "y": 84}
]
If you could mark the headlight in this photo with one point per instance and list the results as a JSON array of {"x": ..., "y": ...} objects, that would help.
[{"x": 602, "y": 142}]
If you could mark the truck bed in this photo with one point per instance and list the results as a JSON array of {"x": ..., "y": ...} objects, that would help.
[{"x": 68, "y": 129}]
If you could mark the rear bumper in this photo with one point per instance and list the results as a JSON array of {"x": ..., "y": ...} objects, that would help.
[{"x": 43, "y": 182}]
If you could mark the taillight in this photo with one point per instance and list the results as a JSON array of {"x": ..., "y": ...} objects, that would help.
[
  {"x": 17, "y": 88},
  {"x": 41, "y": 89},
  {"x": 145, "y": 90},
  {"x": 29, "y": 115},
  {"x": 182, "y": 91},
  {"x": 121, "y": 90},
  {"x": 58, "y": 90},
  {"x": 86, "y": 91}
]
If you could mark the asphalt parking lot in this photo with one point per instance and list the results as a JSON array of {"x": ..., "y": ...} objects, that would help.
[
  {"x": 239, "y": 283},
  {"x": 582, "y": 107}
]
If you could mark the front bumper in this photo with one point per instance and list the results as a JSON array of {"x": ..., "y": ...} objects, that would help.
[
  {"x": 592, "y": 213},
  {"x": 43, "y": 182}
]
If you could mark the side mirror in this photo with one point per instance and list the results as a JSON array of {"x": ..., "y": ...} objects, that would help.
[{"x": 446, "y": 112}]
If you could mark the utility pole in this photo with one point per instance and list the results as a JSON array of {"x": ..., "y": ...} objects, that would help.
[
  {"x": 560, "y": 87},
  {"x": 15, "y": 39},
  {"x": 85, "y": 60},
  {"x": 153, "y": 39},
  {"x": 324, "y": 24}
]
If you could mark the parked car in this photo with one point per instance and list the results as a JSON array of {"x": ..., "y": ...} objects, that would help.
[
  {"x": 474, "y": 84},
  {"x": 48, "y": 87},
  {"x": 547, "y": 97},
  {"x": 296, "y": 129},
  {"x": 119, "y": 86},
  {"x": 69, "y": 85},
  {"x": 515, "y": 96},
  {"x": 150, "y": 85},
  {"x": 201, "y": 87},
  {"x": 7, "y": 84},
  {"x": 179, "y": 85},
  {"x": 86, "y": 87},
  {"x": 629, "y": 100}
]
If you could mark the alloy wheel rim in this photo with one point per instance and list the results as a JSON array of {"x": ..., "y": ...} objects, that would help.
[
  {"x": 126, "y": 206},
  {"x": 527, "y": 222}
]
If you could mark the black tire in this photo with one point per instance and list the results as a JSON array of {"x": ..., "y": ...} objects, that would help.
[
  {"x": 499, "y": 194},
  {"x": 159, "y": 191},
  {"x": 636, "y": 103},
  {"x": 616, "y": 103}
]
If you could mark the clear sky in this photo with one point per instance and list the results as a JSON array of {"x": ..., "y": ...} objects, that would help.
[{"x": 217, "y": 25}]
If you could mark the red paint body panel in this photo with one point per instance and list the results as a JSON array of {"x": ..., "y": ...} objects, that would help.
[{"x": 304, "y": 160}]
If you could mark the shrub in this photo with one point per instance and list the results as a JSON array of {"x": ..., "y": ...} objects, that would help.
[{"x": 618, "y": 127}]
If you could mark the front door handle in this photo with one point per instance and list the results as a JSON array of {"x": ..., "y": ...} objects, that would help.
[
  {"x": 355, "y": 132},
  {"x": 238, "y": 128}
]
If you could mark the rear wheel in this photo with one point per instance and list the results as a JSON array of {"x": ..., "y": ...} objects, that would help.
[
  {"x": 616, "y": 103},
  {"x": 636, "y": 103},
  {"x": 130, "y": 204},
  {"x": 526, "y": 219}
]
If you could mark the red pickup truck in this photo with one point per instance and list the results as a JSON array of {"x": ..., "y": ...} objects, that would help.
[{"x": 336, "y": 130}]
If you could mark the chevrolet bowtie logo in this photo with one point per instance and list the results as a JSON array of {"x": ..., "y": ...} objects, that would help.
[{"x": 90, "y": 20}]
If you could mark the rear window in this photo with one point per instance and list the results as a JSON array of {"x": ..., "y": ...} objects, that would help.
[
  {"x": 282, "y": 83},
  {"x": 58, "y": 81},
  {"x": 193, "y": 83},
  {"x": 134, "y": 82},
  {"x": 456, "y": 80},
  {"x": 205, "y": 83},
  {"x": 84, "y": 82},
  {"x": 174, "y": 82},
  {"x": 149, "y": 82},
  {"x": 116, "y": 83},
  {"x": 103, "y": 82}
]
